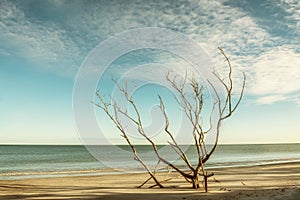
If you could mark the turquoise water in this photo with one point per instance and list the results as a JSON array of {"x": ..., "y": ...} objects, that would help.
[{"x": 27, "y": 161}]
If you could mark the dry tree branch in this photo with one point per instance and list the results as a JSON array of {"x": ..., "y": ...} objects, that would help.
[
  {"x": 138, "y": 123},
  {"x": 174, "y": 145},
  {"x": 105, "y": 107},
  {"x": 192, "y": 106},
  {"x": 228, "y": 101}
]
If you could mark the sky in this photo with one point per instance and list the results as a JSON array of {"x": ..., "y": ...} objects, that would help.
[{"x": 44, "y": 44}]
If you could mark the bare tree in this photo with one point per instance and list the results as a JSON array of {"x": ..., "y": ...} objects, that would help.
[{"x": 192, "y": 106}]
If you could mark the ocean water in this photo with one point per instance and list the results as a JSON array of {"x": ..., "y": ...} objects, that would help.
[{"x": 29, "y": 161}]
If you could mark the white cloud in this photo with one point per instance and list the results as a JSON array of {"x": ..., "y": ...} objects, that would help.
[
  {"x": 277, "y": 75},
  {"x": 270, "y": 61},
  {"x": 292, "y": 7},
  {"x": 44, "y": 44},
  {"x": 271, "y": 99}
]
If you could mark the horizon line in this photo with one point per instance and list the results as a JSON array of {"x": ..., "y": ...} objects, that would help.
[{"x": 35, "y": 144}]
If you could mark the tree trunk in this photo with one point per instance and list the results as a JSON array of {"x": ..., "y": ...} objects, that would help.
[
  {"x": 195, "y": 182},
  {"x": 205, "y": 184}
]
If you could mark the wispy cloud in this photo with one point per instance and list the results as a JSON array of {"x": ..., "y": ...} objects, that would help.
[
  {"x": 271, "y": 99},
  {"x": 276, "y": 72},
  {"x": 262, "y": 38},
  {"x": 42, "y": 43}
]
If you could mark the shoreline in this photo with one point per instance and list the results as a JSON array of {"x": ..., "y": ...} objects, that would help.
[
  {"x": 110, "y": 171},
  {"x": 275, "y": 181}
]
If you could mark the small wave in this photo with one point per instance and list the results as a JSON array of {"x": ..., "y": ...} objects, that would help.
[
  {"x": 226, "y": 156},
  {"x": 40, "y": 174}
]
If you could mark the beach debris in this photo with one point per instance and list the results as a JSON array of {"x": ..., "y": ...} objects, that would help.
[
  {"x": 224, "y": 189},
  {"x": 217, "y": 180},
  {"x": 190, "y": 96}
]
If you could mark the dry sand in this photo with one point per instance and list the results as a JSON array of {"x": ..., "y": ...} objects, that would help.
[{"x": 276, "y": 182}]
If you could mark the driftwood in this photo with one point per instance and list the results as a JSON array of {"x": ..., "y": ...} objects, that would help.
[{"x": 192, "y": 106}]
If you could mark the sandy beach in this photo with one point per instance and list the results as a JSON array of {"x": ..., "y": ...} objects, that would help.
[{"x": 279, "y": 181}]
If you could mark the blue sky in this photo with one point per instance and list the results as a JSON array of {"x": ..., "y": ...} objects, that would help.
[{"x": 43, "y": 44}]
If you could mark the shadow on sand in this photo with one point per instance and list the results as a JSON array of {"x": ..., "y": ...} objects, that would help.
[{"x": 45, "y": 192}]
